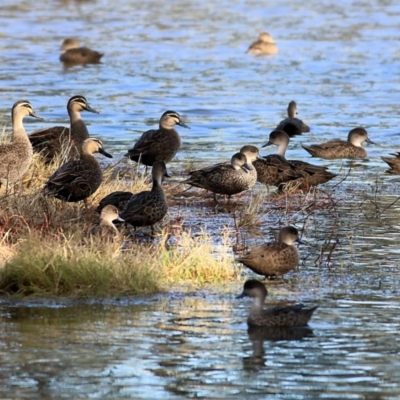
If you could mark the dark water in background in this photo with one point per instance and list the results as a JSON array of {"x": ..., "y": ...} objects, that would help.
[{"x": 340, "y": 62}]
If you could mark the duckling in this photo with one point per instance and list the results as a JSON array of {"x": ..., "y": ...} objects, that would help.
[
  {"x": 281, "y": 316},
  {"x": 228, "y": 178},
  {"x": 292, "y": 125},
  {"x": 148, "y": 207},
  {"x": 78, "y": 179},
  {"x": 50, "y": 142},
  {"x": 264, "y": 45},
  {"x": 337, "y": 148},
  {"x": 394, "y": 163},
  {"x": 158, "y": 144},
  {"x": 277, "y": 258},
  {"x": 72, "y": 54},
  {"x": 16, "y": 156},
  {"x": 106, "y": 230},
  {"x": 276, "y": 170},
  {"x": 117, "y": 199}
]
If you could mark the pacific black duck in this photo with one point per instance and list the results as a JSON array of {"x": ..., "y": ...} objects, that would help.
[
  {"x": 72, "y": 54},
  {"x": 148, "y": 207},
  {"x": 292, "y": 125},
  {"x": 158, "y": 144},
  {"x": 16, "y": 156},
  {"x": 78, "y": 179},
  {"x": 50, "y": 142},
  {"x": 106, "y": 231}
]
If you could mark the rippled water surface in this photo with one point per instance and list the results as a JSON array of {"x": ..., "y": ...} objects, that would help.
[{"x": 340, "y": 62}]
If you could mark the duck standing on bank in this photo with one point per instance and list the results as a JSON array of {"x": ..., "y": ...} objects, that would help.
[
  {"x": 281, "y": 316},
  {"x": 50, "y": 142},
  {"x": 292, "y": 125},
  {"x": 160, "y": 144},
  {"x": 16, "y": 156},
  {"x": 228, "y": 178},
  {"x": 78, "y": 179},
  {"x": 73, "y": 54},
  {"x": 148, "y": 207},
  {"x": 277, "y": 258},
  {"x": 336, "y": 148}
]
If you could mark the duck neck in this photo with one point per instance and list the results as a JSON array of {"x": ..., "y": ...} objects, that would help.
[
  {"x": 18, "y": 127},
  {"x": 157, "y": 185},
  {"x": 258, "y": 304},
  {"x": 282, "y": 149},
  {"x": 74, "y": 115}
]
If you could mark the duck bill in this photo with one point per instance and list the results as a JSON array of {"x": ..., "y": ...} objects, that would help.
[
  {"x": 246, "y": 167},
  {"x": 300, "y": 241},
  {"x": 167, "y": 175},
  {"x": 241, "y": 295},
  {"x": 368, "y": 140},
  {"x": 181, "y": 123},
  {"x": 90, "y": 109},
  {"x": 269, "y": 143},
  {"x": 105, "y": 153},
  {"x": 34, "y": 115}
]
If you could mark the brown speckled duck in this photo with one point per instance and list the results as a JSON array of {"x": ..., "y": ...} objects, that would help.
[
  {"x": 277, "y": 258},
  {"x": 106, "y": 231},
  {"x": 228, "y": 178},
  {"x": 117, "y": 199},
  {"x": 280, "y": 316},
  {"x": 292, "y": 125},
  {"x": 334, "y": 149},
  {"x": 158, "y": 144},
  {"x": 16, "y": 156},
  {"x": 72, "y": 54},
  {"x": 50, "y": 142},
  {"x": 264, "y": 45},
  {"x": 275, "y": 169},
  {"x": 78, "y": 179},
  {"x": 148, "y": 207}
]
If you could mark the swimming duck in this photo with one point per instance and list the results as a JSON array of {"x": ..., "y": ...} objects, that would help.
[
  {"x": 275, "y": 169},
  {"x": 78, "y": 179},
  {"x": 16, "y": 156},
  {"x": 292, "y": 125},
  {"x": 281, "y": 316},
  {"x": 277, "y": 258},
  {"x": 148, "y": 207},
  {"x": 337, "y": 148},
  {"x": 106, "y": 231},
  {"x": 264, "y": 45},
  {"x": 72, "y": 54},
  {"x": 52, "y": 141},
  {"x": 228, "y": 178},
  {"x": 394, "y": 163},
  {"x": 158, "y": 144},
  {"x": 117, "y": 199}
]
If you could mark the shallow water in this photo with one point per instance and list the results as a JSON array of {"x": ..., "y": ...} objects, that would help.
[{"x": 340, "y": 63}]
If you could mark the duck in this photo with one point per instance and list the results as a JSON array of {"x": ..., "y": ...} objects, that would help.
[
  {"x": 264, "y": 45},
  {"x": 148, "y": 207},
  {"x": 336, "y": 148},
  {"x": 394, "y": 163},
  {"x": 16, "y": 156},
  {"x": 50, "y": 142},
  {"x": 160, "y": 144},
  {"x": 275, "y": 169},
  {"x": 78, "y": 179},
  {"x": 281, "y": 316},
  {"x": 72, "y": 54},
  {"x": 117, "y": 199},
  {"x": 106, "y": 231},
  {"x": 292, "y": 125},
  {"x": 228, "y": 178},
  {"x": 276, "y": 258}
]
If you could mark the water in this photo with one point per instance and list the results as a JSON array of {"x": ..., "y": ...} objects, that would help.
[{"x": 339, "y": 61}]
